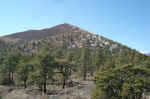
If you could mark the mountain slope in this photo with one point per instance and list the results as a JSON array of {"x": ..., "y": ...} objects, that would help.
[
  {"x": 41, "y": 34},
  {"x": 60, "y": 35}
]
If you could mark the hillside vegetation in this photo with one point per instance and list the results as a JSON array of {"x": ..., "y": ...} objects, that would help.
[{"x": 51, "y": 60}]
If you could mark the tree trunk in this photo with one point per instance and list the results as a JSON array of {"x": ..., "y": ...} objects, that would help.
[
  {"x": 139, "y": 96},
  {"x": 70, "y": 72},
  {"x": 45, "y": 88},
  {"x": 12, "y": 76},
  {"x": 25, "y": 84},
  {"x": 84, "y": 73},
  {"x": 9, "y": 78},
  {"x": 41, "y": 87},
  {"x": 64, "y": 83}
]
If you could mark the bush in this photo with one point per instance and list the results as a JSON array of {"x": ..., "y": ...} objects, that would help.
[{"x": 99, "y": 94}]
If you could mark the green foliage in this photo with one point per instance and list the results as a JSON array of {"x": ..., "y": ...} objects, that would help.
[
  {"x": 8, "y": 68},
  {"x": 24, "y": 69},
  {"x": 44, "y": 70},
  {"x": 99, "y": 94},
  {"x": 85, "y": 58},
  {"x": 65, "y": 66},
  {"x": 114, "y": 79},
  {"x": 98, "y": 60},
  {"x": 126, "y": 82}
]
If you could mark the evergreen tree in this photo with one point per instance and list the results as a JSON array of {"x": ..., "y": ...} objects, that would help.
[
  {"x": 8, "y": 67},
  {"x": 84, "y": 62},
  {"x": 44, "y": 70},
  {"x": 125, "y": 82},
  {"x": 24, "y": 69},
  {"x": 64, "y": 68},
  {"x": 98, "y": 60}
]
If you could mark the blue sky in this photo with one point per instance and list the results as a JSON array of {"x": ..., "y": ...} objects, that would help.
[{"x": 125, "y": 21}]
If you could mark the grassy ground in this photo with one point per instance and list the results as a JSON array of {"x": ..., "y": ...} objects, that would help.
[{"x": 80, "y": 91}]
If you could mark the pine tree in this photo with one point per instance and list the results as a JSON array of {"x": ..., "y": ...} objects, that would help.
[
  {"x": 84, "y": 62},
  {"x": 24, "y": 69},
  {"x": 44, "y": 70}
]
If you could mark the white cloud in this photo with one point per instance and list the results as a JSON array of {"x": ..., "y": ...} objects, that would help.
[
  {"x": 143, "y": 52},
  {"x": 146, "y": 53}
]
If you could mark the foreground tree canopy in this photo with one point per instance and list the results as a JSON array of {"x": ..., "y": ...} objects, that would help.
[{"x": 125, "y": 82}]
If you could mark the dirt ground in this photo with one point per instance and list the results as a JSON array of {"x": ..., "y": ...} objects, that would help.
[{"x": 82, "y": 90}]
